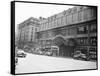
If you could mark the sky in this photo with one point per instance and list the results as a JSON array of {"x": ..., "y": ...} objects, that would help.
[{"x": 23, "y": 11}]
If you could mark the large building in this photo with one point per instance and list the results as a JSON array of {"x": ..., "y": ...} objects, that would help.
[
  {"x": 75, "y": 28},
  {"x": 26, "y": 31},
  {"x": 71, "y": 30}
]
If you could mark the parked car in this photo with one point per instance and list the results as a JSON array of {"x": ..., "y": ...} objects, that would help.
[
  {"x": 37, "y": 51},
  {"x": 27, "y": 49},
  {"x": 48, "y": 53},
  {"x": 21, "y": 53},
  {"x": 40, "y": 52},
  {"x": 79, "y": 55}
]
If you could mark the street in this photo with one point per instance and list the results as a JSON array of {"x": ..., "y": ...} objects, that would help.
[{"x": 38, "y": 63}]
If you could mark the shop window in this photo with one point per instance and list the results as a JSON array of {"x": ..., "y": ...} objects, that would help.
[{"x": 82, "y": 41}]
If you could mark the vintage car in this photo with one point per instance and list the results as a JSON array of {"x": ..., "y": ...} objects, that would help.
[
  {"x": 38, "y": 51},
  {"x": 27, "y": 49},
  {"x": 79, "y": 55},
  {"x": 21, "y": 53},
  {"x": 48, "y": 53}
]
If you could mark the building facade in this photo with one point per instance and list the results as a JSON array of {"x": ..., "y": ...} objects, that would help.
[
  {"x": 71, "y": 30},
  {"x": 26, "y": 31}
]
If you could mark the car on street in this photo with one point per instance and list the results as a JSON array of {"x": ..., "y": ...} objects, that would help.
[
  {"x": 27, "y": 49},
  {"x": 79, "y": 55},
  {"x": 48, "y": 53},
  {"x": 40, "y": 52},
  {"x": 21, "y": 53}
]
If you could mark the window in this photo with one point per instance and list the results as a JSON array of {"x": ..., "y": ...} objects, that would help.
[
  {"x": 82, "y": 41},
  {"x": 32, "y": 33},
  {"x": 61, "y": 21},
  {"x": 69, "y": 19},
  {"x": 44, "y": 26},
  {"x": 38, "y": 35},
  {"x": 48, "y": 24},
  {"x": 93, "y": 52},
  {"x": 93, "y": 28},
  {"x": 75, "y": 17},
  {"x": 85, "y": 14},
  {"x": 48, "y": 42},
  {"x": 72, "y": 31},
  {"x": 94, "y": 12},
  {"x": 63, "y": 31},
  {"x": 64, "y": 21},
  {"x": 41, "y": 27},
  {"x": 82, "y": 29},
  {"x": 93, "y": 40},
  {"x": 74, "y": 10},
  {"x": 57, "y": 31},
  {"x": 67, "y": 32},
  {"x": 36, "y": 29},
  {"x": 58, "y": 22},
  {"x": 52, "y": 24},
  {"x": 55, "y": 22},
  {"x": 79, "y": 16}
]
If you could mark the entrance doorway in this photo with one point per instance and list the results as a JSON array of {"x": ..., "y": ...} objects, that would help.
[{"x": 65, "y": 49}]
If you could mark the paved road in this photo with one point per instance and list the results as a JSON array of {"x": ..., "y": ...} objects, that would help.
[{"x": 38, "y": 63}]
